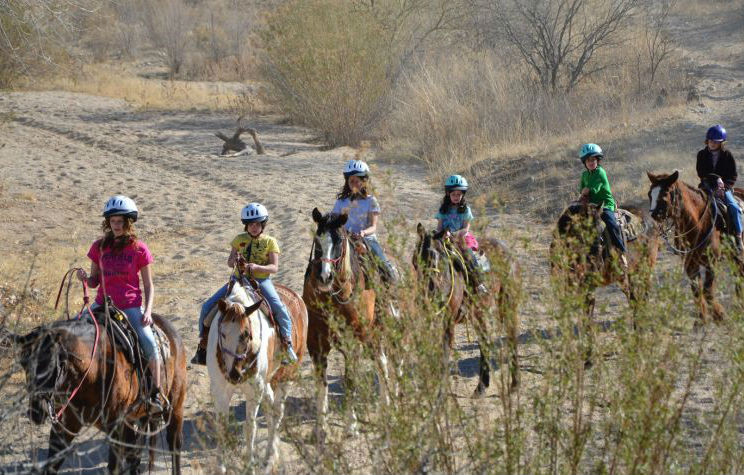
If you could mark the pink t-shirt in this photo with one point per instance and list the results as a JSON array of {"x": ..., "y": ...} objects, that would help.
[{"x": 120, "y": 272}]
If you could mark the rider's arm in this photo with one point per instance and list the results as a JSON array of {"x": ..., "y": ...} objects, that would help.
[
  {"x": 148, "y": 288},
  {"x": 373, "y": 217},
  {"x": 92, "y": 279},
  {"x": 232, "y": 258},
  {"x": 271, "y": 268},
  {"x": 730, "y": 178}
]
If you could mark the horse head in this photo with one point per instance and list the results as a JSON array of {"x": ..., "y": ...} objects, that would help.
[
  {"x": 237, "y": 328},
  {"x": 659, "y": 194},
  {"x": 429, "y": 255},
  {"x": 330, "y": 248},
  {"x": 40, "y": 359}
]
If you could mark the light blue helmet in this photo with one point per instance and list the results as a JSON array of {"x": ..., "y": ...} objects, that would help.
[
  {"x": 590, "y": 150},
  {"x": 456, "y": 182},
  {"x": 120, "y": 205}
]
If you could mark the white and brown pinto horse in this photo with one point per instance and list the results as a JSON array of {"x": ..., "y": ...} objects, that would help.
[
  {"x": 690, "y": 213},
  {"x": 244, "y": 356},
  {"x": 335, "y": 285}
]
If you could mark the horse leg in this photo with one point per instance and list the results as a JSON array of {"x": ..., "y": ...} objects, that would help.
[
  {"x": 693, "y": 271},
  {"x": 510, "y": 321},
  {"x": 175, "y": 438},
  {"x": 253, "y": 398},
  {"x": 274, "y": 413},
  {"x": 60, "y": 439},
  {"x": 321, "y": 368},
  {"x": 709, "y": 291},
  {"x": 349, "y": 392},
  {"x": 585, "y": 331},
  {"x": 484, "y": 375},
  {"x": 383, "y": 376}
]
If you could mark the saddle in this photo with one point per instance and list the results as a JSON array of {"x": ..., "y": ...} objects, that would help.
[
  {"x": 255, "y": 294},
  {"x": 723, "y": 219},
  {"x": 631, "y": 227},
  {"x": 125, "y": 338},
  {"x": 368, "y": 260}
]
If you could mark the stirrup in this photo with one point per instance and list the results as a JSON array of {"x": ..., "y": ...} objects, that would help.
[{"x": 288, "y": 355}]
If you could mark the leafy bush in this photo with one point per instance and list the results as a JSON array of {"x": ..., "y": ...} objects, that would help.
[{"x": 327, "y": 66}]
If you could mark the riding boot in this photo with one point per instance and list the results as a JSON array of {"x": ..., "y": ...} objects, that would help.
[
  {"x": 476, "y": 275},
  {"x": 289, "y": 356},
  {"x": 200, "y": 357},
  {"x": 158, "y": 404}
]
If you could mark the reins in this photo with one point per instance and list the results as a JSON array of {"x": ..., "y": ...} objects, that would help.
[
  {"x": 86, "y": 305},
  {"x": 676, "y": 202}
]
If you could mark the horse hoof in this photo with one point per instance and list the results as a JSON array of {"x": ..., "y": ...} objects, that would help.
[{"x": 479, "y": 393}]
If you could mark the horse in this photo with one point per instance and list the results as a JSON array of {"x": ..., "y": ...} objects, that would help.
[
  {"x": 577, "y": 257},
  {"x": 244, "y": 355},
  {"x": 335, "y": 284},
  {"x": 78, "y": 377},
  {"x": 691, "y": 213},
  {"x": 444, "y": 273}
]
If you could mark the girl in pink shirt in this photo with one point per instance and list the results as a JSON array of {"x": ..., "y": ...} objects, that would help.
[{"x": 118, "y": 260}]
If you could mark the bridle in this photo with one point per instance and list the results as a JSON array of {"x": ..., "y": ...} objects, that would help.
[
  {"x": 336, "y": 266},
  {"x": 239, "y": 375},
  {"x": 672, "y": 219}
]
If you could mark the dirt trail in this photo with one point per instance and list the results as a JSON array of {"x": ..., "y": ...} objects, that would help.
[{"x": 65, "y": 153}]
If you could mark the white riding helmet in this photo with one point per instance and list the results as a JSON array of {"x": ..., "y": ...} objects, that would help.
[
  {"x": 356, "y": 168},
  {"x": 120, "y": 205},
  {"x": 254, "y": 213}
]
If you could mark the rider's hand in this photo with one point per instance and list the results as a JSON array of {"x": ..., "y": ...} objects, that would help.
[
  {"x": 250, "y": 266},
  {"x": 82, "y": 275},
  {"x": 147, "y": 318},
  {"x": 721, "y": 186},
  {"x": 447, "y": 234}
]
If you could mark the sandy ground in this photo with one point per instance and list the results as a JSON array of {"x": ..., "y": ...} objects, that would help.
[{"x": 64, "y": 154}]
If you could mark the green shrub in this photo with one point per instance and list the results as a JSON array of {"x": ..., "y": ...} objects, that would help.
[{"x": 327, "y": 66}]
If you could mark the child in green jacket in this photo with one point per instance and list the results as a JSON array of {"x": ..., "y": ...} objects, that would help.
[{"x": 595, "y": 188}]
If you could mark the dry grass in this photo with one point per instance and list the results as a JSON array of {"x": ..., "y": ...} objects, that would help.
[{"x": 153, "y": 94}]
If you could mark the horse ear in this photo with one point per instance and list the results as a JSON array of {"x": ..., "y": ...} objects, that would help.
[
  {"x": 222, "y": 306},
  {"x": 673, "y": 177},
  {"x": 317, "y": 215},
  {"x": 342, "y": 219},
  {"x": 651, "y": 178},
  {"x": 252, "y": 308},
  {"x": 420, "y": 230}
]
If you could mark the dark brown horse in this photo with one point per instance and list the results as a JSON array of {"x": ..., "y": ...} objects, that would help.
[
  {"x": 444, "y": 274},
  {"x": 60, "y": 357},
  {"x": 577, "y": 257},
  {"x": 335, "y": 284},
  {"x": 691, "y": 214}
]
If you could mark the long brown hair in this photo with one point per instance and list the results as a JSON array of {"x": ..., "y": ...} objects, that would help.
[
  {"x": 347, "y": 193},
  {"x": 116, "y": 244}
]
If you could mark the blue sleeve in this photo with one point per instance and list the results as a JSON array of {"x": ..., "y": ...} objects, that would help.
[
  {"x": 468, "y": 215},
  {"x": 337, "y": 207}
]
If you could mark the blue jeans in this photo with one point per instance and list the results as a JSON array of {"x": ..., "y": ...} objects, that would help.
[
  {"x": 733, "y": 211},
  {"x": 277, "y": 307},
  {"x": 144, "y": 333},
  {"x": 207, "y": 306},
  {"x": 272, "y": 298},
  {"x": 608, "y": 216},
  {"x": 374, "y": 245}
]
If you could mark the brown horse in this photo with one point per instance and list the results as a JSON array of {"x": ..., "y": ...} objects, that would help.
[
  {"x": 243, "y": 356},
  {"x": 691, "y": 213},
  {"x": 577, "y": 257},
  {"x": 335, "y": 284},
  {"x": 64, "y": 355},
  {"x": 445, "y": 276}
]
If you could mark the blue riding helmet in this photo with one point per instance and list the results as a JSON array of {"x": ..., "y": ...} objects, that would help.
[
  {"x": 456, "y": 182},
  {"x": 590, "y": 150},
  {"x": 716, "y": 133}
]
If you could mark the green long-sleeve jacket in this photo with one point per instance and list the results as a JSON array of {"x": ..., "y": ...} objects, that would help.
[{"x": 599, "y": 188}]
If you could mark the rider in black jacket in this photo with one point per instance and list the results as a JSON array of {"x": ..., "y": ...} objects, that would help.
[{"x": 716, "y": 159}]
